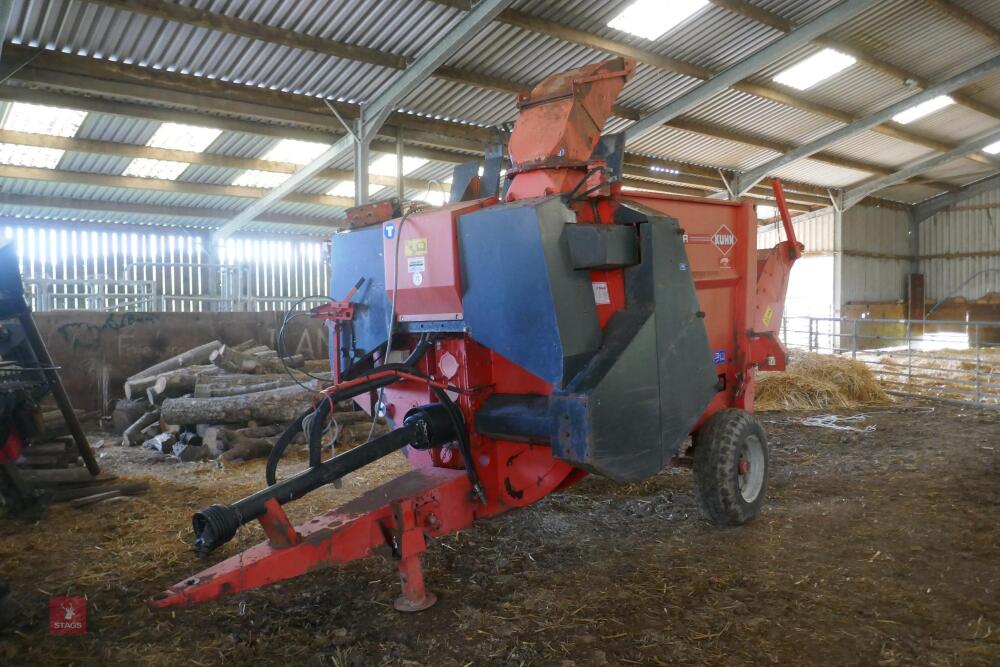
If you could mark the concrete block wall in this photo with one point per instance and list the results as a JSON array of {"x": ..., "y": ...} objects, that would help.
[{"x": 97, "y": 351}]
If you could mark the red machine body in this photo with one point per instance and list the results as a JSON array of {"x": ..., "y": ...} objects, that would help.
[
  {"x": 740, "y": 292},
  {"x": 423, "y": 253}
]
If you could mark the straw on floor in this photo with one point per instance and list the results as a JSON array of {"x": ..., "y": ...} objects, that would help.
[{"x": 819, "y": 381}]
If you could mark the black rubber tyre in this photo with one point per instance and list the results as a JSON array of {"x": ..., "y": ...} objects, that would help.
[{"x": 730, "y": 467}]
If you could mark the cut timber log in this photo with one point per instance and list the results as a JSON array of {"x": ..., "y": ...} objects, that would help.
[
  {"x": 231, "y": 434},
  {"x": 126, "y": 489},
  {"x": 186, "y": 376},
  {"x": 244, "y": 449},
  {"x": 56, "y": 427},
  {"x": 59, "y": 448},
  {"x": 133, "y": 434},
  {"x": 292, "y": 361},
  {"x": 99, "y": 494},
  {"x": 178, "y": 383},
  {"x": 215, "y": 391},
  {"x": 136, "y": 389},
  {"x": 277, "y": 405},
  {"x": 50, "y": 417},
  {"x": 61, "y": 476},
  {"x": 234, "y": 361},
  {"x": 41, "y": 461},
  {"x": 126, "y": 412},
  {"x": 233, "y": 379},
  {"x": 194, "y": 356},
  {"x": 316, "y": 366},
  {"x": 245, "y": 345}
]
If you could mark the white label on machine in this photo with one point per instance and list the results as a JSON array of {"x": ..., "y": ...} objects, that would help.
[
  {"x": 418, "y": 278},
  {"x": 601, "y": 295},
  {"x": 416, "y": 264}
]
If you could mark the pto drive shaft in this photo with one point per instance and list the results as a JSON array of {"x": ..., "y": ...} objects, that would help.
[{"x": 424, "y": 427}]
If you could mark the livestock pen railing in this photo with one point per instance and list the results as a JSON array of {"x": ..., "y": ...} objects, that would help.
[{"x": 950, "y": 360}]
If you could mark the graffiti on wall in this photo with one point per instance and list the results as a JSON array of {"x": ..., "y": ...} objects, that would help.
[{"x": 87, "y": 336}]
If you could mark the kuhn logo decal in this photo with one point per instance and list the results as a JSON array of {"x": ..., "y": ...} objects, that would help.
[{"x": 724, "y": 239}]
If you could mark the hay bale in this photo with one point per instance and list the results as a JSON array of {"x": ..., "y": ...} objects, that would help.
[
  {"x": 819, "y": 382},
  {"x": 852, "y": 377},
  {"x": 792, "y": 391}
]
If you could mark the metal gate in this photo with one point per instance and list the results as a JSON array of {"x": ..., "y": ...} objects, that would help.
[{"x": 951, "y": 360}]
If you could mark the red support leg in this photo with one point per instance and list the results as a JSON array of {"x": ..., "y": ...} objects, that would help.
[
  {"x": 279, "y": 530},
  {"x": 415, "y": 596}
]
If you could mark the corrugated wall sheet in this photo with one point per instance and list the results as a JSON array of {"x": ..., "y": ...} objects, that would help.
[
  {"x": 960, "y": 249},
  {"x": 876, "y": 254},
  {"x": 815, "y": 230}
]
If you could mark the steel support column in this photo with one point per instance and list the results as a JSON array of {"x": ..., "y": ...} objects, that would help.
[
  {"x": 400, "y": 185},
  {"x": 914, "y": 243},
  {"x": 362, "y": 153}
]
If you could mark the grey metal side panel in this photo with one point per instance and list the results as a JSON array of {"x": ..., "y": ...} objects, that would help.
[
  {"x": 602, "y": 246},
  {"x": 607, "y": 420},
  {"x": 625, "y": 415},
  {"x": 687, "y": 375}
]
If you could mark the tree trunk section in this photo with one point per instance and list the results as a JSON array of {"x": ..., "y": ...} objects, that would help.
[
  {"x": 194, "y": 356},
  {"x": 179, "y": 382},
  {"x": 221, "y": 386},
  {"x": 277, "y": 405},
  {"x": 133, "y": 437}
]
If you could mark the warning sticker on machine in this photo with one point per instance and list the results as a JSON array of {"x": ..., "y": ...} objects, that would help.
[
  {"x": 416, "y": 247},
  {"x": 601, "y": 295},
  {"x": 416, "y": 264}
]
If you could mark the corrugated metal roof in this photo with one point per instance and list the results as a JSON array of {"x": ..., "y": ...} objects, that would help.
[
  {"x": 914, "y": 36},
  {"x": 953, "y": 123},
  {"x": 878, "y": 149}
]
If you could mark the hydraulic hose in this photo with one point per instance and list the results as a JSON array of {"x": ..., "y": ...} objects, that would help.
[{"x": 321, "y": 412}]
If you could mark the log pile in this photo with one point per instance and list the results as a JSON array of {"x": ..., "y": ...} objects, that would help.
[
  {"x": 50, "y": 466},
  {"x": 229, "y": 403}
]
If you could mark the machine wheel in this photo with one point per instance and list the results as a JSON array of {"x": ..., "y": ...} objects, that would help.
[{"x": 730, "y": 467}]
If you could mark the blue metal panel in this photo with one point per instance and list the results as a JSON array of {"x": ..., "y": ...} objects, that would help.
[
  {"x": 522, "y": 297},
  {"x": 353, "y": 255}
]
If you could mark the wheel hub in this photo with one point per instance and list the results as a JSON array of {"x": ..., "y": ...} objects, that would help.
[{"x": 750, "y": 469}]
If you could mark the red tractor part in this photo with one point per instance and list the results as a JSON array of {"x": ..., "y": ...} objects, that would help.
[{"x": 516, "y": 346}]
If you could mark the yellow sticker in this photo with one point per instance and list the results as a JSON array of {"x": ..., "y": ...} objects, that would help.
[
  {"x": 416, "y": 247},
  {"x": 768, "y": 313}
]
